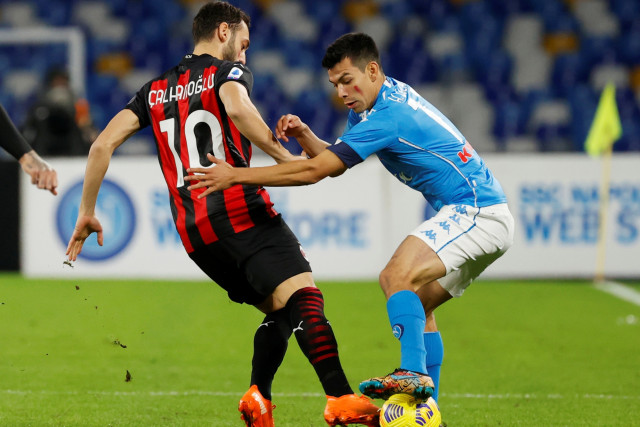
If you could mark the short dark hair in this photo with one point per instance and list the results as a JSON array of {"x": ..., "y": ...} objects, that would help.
[
  {"x": 358, "y": 47},
  {"x": 212, "y": 14}
]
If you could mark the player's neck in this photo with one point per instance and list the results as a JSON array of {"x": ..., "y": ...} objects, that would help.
[{"x": 208, "y": 48}]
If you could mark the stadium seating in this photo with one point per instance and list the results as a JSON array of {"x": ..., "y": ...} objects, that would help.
[{"x": 517, "y": 75}]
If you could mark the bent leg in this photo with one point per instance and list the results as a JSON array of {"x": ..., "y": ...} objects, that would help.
[
  {"x": 411, "y": 266},
  {"x": 303, "y": 304},
  {"x": 317, "y": 340}
]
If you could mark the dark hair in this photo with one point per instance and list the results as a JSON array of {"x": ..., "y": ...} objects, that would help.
[
  {"x": 359, "y": 47},
  {"x": 211, "y": 15}
]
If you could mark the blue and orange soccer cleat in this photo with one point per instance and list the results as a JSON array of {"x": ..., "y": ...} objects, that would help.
[
  {"x": 418, "y": 385},
  {"x": 351, "y": 409},
  {"x": 255, "y": 410}
]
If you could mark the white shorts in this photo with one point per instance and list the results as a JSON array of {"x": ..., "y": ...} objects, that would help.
[{"x": 467, "y": 240}]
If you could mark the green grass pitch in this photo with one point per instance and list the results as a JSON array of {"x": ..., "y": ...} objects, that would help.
[{"x": 536, "y": 353}]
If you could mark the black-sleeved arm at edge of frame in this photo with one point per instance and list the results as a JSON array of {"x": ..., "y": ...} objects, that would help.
[{"x": 10, "y": 139}]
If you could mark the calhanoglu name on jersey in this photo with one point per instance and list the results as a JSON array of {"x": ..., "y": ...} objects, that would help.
[{"x": 180, "y": 92}]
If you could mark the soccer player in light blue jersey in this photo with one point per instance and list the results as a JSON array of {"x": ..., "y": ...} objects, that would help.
[{"x": 423, "y": 149}]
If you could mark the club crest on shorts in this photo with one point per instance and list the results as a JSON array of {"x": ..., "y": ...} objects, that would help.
[{"x": 397, "y": 330}]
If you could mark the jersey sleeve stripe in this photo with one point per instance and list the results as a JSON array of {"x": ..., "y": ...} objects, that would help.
[
  {"x": 439, "y": 120},
  {"x": 347, "y": 154}
]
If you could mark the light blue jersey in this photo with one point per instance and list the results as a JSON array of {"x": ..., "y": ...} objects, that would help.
[{"x": 420, "y": 147}]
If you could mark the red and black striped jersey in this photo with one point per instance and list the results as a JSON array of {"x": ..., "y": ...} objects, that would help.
[{"x": 188, "y": 118}]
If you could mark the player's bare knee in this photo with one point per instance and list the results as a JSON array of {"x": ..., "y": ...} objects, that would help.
[
  {"x": 393, "y": 280},
  {"x": 385, "y": 282}
]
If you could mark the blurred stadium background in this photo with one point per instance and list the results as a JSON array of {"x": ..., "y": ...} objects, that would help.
[
  {"x": 514, "y": 75},
  {"x": 518, "y": 77}
]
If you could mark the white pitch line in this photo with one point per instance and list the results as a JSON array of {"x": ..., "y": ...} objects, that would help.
[
  {"x": 147, "y": 393},
  {"x": 290, "y": 395},
  {"x": 623, "y": 292},
  {"x": 537, "y": 396}
]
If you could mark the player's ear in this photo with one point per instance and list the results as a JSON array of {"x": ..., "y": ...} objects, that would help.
[
  {"x": 223, "y": 32},
  {"x": 372, "y": 70}
]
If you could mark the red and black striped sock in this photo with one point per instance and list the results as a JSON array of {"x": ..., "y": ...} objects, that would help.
[{"x": 316, "y": 339}]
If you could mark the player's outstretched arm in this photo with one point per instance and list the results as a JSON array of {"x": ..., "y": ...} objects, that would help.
[
  {"x": 41, "y": 173},
  {"x": 224, "y": 176},
  {"x": 291, "y": 125},
  {"x": 249, "y": 122},
  {"x": 119, "y": 129}
]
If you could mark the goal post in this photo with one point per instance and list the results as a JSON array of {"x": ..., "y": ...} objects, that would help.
[{"x": 73, "y": 37}]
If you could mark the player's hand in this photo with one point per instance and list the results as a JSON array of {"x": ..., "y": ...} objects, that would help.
[
  {"x": 85, "y": 225},
  {"x": 216, "y": 178},
  {"x": 42, "y": 174},
  {"x": 290, "y": 125}
]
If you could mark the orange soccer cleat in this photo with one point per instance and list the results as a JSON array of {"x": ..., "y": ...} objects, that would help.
[
  {"x": 255, "y": 410},
  {"x": 351, "y": 409}
]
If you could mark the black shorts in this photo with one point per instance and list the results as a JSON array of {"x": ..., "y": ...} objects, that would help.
[{"x": 251, "y": 264}]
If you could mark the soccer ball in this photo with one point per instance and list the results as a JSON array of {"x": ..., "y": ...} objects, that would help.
[{"x": 402, "y": 410}]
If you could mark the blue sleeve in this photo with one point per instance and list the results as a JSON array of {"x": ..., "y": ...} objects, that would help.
[{"x": 370, "y": 135}]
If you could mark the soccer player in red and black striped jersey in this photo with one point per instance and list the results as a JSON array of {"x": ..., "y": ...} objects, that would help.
[
  {"x": 199, "y": 107},
  {"x": 42, "y": 175}
]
